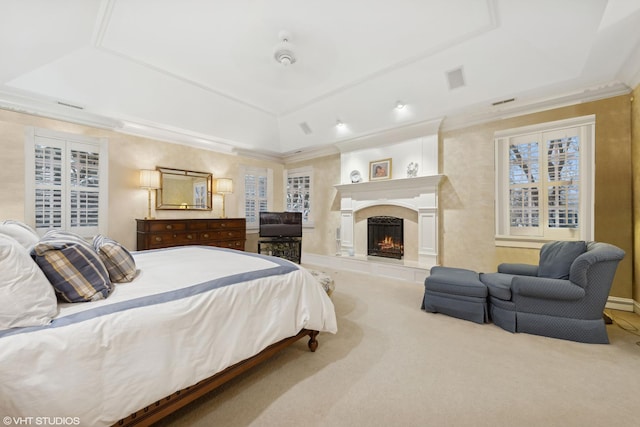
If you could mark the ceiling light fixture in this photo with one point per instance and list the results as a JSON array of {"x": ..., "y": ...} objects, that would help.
[
  {"x": 339, "y": 123},
  {"x": 283, "y": 52},
  {"x": 399, "y": 105}
]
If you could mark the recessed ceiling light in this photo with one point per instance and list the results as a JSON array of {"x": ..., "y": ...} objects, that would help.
[
  {"x": 399, "y": 105},
  {"x": 339, "y": 123}
]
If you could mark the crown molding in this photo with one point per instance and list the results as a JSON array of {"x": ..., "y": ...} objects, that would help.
[
  {"x": 390, "y": 135},
  {"x": 308, "y": 154},
  {"x": 259, "y": 155},
  {"x": 53, "y": 109},
  {"x": 480, "y": 115},
  {"x": 176, "y": 136}
]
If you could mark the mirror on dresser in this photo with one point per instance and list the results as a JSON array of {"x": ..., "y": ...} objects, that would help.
[{"x": 183, "y": 189}]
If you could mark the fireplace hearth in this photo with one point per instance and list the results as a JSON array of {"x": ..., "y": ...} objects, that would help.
[{"x": 385, "y": 237}]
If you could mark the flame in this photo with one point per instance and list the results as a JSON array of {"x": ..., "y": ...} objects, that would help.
[{"x": 387, "y": 244}]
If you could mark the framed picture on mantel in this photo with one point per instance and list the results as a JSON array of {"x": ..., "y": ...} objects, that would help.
[{"x": 380, "y": 169}]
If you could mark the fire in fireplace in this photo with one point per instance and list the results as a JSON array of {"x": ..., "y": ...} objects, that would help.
[{"x": 385, "y": 236}]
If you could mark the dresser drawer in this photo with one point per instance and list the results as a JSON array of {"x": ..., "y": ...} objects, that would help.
[
  {"x": 232, "y": 244},
  {"x": 207, "y": 236},
  {"x": 231, "y": 223},
  {"x": 172, "y": 239},
  {"x": 167, "y": 226},
  {"x": 231, "y": 234},
  {"x": 211, "y": 235},
  {"x": 199, "y": 225}
]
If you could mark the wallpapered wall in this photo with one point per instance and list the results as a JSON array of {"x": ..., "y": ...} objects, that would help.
[
  {"x": 127, "y": 155},
  {"x": 466, "y": 197}
]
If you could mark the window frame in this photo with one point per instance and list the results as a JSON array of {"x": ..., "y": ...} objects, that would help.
[
  {"x": 536, "y": 237},
  {"x": 67, "y": 142},
  {"x": 302, "y": 172},
  {"x": 256, "y": 171}
]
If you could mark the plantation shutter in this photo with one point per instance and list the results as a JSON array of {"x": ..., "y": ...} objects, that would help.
[{"x": 67, "y": 186}]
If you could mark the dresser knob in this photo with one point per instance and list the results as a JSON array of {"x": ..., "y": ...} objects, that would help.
[
  {"x": 206, "y": 236},
  {"x": 189, "y": 236},
  {"x": 158, "y": 239},
  {"x": 169, "y": 226}
]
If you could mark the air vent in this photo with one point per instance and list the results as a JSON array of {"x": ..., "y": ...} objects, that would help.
[
  {"x": 504, "y": 101},
  {"x": 305, "y": 128},
  {"x": 455, "y": 78},
  {"x": 70, "y": 105}
]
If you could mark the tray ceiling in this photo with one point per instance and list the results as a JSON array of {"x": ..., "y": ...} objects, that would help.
[{"x": 203, "y": 72}]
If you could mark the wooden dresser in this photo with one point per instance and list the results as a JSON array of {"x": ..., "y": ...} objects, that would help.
[{"x": 163, "y": 233}]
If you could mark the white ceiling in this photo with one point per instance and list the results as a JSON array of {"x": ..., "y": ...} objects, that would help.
[{"x": 202, "y": 71}]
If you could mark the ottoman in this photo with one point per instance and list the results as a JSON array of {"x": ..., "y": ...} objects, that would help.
[
  {"x": 456, "y": 292},
  {"x": 325, "y": 280}
]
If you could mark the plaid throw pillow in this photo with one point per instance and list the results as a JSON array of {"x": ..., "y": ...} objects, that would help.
[
  {"x": 72, "y": 266},
  {"x": 119, "y": 262}
]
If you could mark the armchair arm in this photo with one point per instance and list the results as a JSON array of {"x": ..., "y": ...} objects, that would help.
[
  {"x": 518, "y": 269},
  {"x": 543, "y": 288}
]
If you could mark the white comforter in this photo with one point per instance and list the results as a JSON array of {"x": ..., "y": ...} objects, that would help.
[{"x": 98, "y": 366}]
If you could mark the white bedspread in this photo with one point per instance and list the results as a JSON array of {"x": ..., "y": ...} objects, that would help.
[{"x": 99, "y": 366}]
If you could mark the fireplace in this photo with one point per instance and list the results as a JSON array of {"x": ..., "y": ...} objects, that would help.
[
  {"x": 385, "y": 237},
  {"x": 420, "y": 243}
]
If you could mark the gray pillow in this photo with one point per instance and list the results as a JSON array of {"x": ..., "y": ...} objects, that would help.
[
  {"x": 73, "y": 267},
  {"x": 556, "y": 258}
]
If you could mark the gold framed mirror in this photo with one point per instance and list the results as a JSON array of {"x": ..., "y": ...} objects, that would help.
[{"x": 184, "y": 190}]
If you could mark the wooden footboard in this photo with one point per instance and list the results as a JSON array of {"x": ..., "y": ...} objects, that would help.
[{"x": 163, "y": 407}]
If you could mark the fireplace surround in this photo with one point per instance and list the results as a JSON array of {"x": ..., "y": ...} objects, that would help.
[{"x": 419, "y": 194}]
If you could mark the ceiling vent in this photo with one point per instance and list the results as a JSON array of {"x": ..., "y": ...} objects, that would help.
[
  {"x": 504, "y": 101},
  {"x": 66, "y": 104},
  {"x": 455, "y": 78},
  {"x": 305, "y": 128}
]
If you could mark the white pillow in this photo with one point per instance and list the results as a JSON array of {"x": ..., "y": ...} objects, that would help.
[
  {"x": 21, "y": 232},
  {"x": 27, "y": 298}
]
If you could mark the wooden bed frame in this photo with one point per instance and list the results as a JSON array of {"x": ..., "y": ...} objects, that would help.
[{"x": 163, "y": 407}]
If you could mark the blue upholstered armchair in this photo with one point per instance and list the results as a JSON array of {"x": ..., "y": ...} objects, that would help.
[{"x": 562, "y": 297}]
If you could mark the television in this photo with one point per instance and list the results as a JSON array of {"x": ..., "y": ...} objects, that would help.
[{"x": 280, "y": 224}]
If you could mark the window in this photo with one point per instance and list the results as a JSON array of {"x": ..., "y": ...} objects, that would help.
[
  {"x": 257, "y": 194},
  {"x": 545, "y": 182},
  {"x": 299, "y": 192},
  {"x": 66, "y": 182}
]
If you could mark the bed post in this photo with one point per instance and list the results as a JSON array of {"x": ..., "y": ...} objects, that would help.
[{"x": 313, "y": 343}]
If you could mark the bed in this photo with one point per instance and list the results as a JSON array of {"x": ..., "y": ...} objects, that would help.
[{"x": 192, "y": 318}]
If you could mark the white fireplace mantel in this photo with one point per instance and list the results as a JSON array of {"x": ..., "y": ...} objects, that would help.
[
  {"x": 398, "y": 188},
  {"x": 419, "y": 194}
]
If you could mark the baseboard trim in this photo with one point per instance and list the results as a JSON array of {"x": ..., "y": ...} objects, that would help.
[{"x": 623, "y": 304}]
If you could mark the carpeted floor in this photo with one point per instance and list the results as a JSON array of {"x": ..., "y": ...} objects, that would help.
[{"x": 391, "y": 364}]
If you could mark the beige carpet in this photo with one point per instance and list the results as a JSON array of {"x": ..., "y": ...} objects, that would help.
[{"x": 391, "y": 364}]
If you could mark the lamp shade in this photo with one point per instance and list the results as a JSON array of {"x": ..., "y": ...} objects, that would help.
[
  {"x": 224, "y": 185},
  {"x": 149, "y": 179}
]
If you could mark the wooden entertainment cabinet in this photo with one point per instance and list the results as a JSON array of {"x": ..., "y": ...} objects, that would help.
[{"x": 164, "y": 233}]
